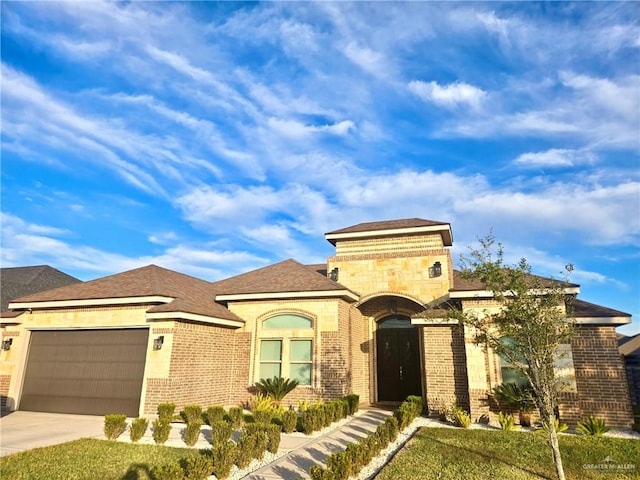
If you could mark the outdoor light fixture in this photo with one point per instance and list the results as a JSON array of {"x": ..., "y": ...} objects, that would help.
[
  {"x": 333, "y": 275},
  {"x": 6, "y": 344},
  {"x": 436, "y": 270},
  {"x": 157, "y": 342}
]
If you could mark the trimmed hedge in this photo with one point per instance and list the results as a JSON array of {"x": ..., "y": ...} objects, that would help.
[{"x": 114, "y": 425}]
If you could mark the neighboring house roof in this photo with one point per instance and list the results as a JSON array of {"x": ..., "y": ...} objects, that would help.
[
  {"x": 629, "y": 346},
  {"x": 462, "y": 285},
  {"x": 286, "y": 279},
  {"x": 175, "y": 293},
  {"x": 20, "y": 281},
  {"x": 407, "y": 226}
]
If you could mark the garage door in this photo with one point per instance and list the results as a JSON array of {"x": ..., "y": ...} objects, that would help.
[{"x": 89, "y": 372}]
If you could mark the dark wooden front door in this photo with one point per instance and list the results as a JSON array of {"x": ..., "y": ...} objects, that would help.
[{"x": 398, "y": 357}]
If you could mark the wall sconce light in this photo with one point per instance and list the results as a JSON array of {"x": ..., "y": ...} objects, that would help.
[
  {"x": 6, "y": 344},
  {"x": 333, "y": 275},
  {"x": 436, "y": 270},
  {"x": 157, "y": 342}
]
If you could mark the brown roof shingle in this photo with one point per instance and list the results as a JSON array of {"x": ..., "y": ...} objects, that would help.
[
  {"x": 285, "y": 276},
  {"x": 191, "y": 295},
  {"x": 388, "y": 225},
  {"x": 17, "y": 282},
  {"x": 461, "y": 284}
]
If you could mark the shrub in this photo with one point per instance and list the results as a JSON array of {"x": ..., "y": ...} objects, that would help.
[
  {"x": 138, "y": 428},
  {"x": 114, "y": 425},
  {"x": 261, "y": 440},
  {"x": 318, "y": 473},
  {"x": 353, "y": 401},
  {"x": 357, "y": 456},
  {"x": 460, "y": 417},
  {"x": 192, "y": 413},
  {"x": 276, "y": 388},
  {"x": 507, "y": 422},
  {"x": 339, "y": 466},
  {"x": 165, "y": 411},
  {"x": 236, "y": 416},
  {"x": 192, "y": 433},
  {"x": 171, "y": 471},
  {"x": 289, "y": 421},
  {"x": 224, "y": 457},
  {"x": 273, "y": 437},
  {"x": 215, "y": 413},
  {"x": 260, "y": 402},
  {"x": 417, "y": 403},
  {"x": 198, "y": 467},
  {"x": 559, "y": 427},
  {"x": 220, "y": 432},
  {"x": 303, "y": 405},
  {"x": 263, "y": 415},
  {"x": 593, "y": 426},
  {"x": 403, "y": 414},
  {"x": 161, "y": 430},
  {"x": 310, "y": 420},
  {"x": 246, "y": 448}
]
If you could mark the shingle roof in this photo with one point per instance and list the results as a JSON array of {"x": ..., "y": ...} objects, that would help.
[
  {"x": 629, "y": 346},
  {"x": 191, "y": 295},
  {"x": 461, "y": 284},
  {"x": 582, "y": 309},
  {"x": 389, "y": 225},
  {"x": 285, "y": 276},
  {"x": 20, "y": 281}
]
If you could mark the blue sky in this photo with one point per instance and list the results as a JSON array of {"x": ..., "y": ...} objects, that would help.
[{"x": 215, "y": 138}]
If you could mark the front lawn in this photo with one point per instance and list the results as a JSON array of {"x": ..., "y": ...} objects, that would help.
[
  {"x": 457, "y": 454},
  {"x": 89, "y": 459}
]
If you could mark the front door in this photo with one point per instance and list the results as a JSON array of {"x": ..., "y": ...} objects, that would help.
[{"x": 398, "y": 360}]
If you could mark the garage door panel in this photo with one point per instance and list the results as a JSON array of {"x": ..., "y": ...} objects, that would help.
[{"x": 85, "y": 371}]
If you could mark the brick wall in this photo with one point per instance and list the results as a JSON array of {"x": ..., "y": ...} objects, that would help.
[
  {"x": 204, "y": 359},
  {"x": 445, "y": 367},
  {"x": 600, "y": 375}
]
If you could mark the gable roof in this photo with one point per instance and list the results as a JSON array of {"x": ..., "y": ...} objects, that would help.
[
  {"x": 286, "y": 279},
  {"x": 406, "y": 226},
  {"x": 629, "y": 346},
  {"x": 586, "y": 312},
  {"x": 17, "y": 282},
  {"x": 175, "y": 295}
]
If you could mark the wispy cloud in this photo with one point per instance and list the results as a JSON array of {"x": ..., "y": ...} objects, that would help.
[
  {"x": 450, "y": 95},
  {"x": 555, "y": 157}
]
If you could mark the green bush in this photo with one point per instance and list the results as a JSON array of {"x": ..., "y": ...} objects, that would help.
[
  {"x": 261, "y": 438},
  {"x": 246, "y": 449},
  {"x": 559, "y": 427},
  {"x": 220, "y": 432},
  {"x": 224, "y": 457},
  {"x": 417, "y": 403},
  {"x": 236, "y": 415},
  {"x": 171, "y": 471},
  {"x": 461, "y": 418},
  {"x": 353, "y": 401},
  {"x": 138, "y": 428},
  {"x": 339, "y": 466},
  {"x": 357, "y": 456},
  {"x": 318, "y": 473},
  {"x": 192, "y": 413},
  {"x": 215, "y": 413},
  {"x": 310, "y": 420},
  {"x": 289, "y": 421},
  {"x": 161, "y": 430},
  {"x": 114, "y": 425},
  {"x": 507, "y": 422},
  {"x": 166, "y": 411},
  {"x": 263, "y": 415},
  {"x": 593, "y": 426},
  {"x": 192, "y": 433},
  {"x": 273, "y": 437},
  {"x": 198, "y": 467}
]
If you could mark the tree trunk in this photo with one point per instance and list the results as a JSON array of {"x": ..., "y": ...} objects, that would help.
[{"x": 555, "y": 448}]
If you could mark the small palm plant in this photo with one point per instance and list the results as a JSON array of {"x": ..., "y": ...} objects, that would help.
[
  {"x": 519, "y": 397},
  {"x": 593, "y": 426},
  {"x": 276, "y": 388}
]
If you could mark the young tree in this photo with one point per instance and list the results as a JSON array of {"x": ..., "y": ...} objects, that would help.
[{"x": 534, "y": 313}]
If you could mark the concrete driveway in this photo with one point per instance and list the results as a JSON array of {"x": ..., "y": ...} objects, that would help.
[{"x": 26, "y": 430}]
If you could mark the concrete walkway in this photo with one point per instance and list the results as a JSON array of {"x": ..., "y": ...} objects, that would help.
[{"x": 306, "y": 452}]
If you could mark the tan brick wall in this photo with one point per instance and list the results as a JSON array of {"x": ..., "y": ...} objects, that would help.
[
  {"x": 445, "y": 367},
  {"x": 600, "y": 375},
  {"x": 5, "y": 381},
  {"x": 378, "y": 246}
]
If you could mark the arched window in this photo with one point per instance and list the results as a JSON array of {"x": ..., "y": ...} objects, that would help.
[
  {"x": 395, "y": 321},
  {"x": 509, "y": 372},
  {"x": 286, "y": 348}
]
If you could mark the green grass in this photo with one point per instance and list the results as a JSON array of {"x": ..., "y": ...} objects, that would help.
[
  {"x": 89, "y": 459},
  {"x": 444, "y": 453}
]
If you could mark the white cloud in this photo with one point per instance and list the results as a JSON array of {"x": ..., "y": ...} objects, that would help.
[
  {"x": 450, "y": 95},
  {"x": 295, "y": 129},
  {"x": 555, "y": 157},
  {"x": 369, "y": 60}
]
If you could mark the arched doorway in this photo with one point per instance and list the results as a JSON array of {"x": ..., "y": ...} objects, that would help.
[{"x": 398, "y": 359}]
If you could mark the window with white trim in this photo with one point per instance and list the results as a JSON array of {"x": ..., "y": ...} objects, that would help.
[{"x": 286, "y": 348}]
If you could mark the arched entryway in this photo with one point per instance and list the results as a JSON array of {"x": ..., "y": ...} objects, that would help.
[{"x": 397, "y": 359}]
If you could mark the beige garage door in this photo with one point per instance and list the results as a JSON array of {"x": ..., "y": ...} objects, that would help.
[{"x": 89, "y": 372}]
